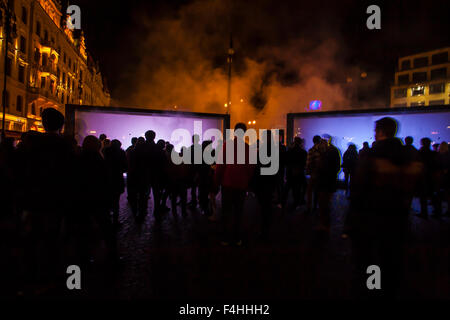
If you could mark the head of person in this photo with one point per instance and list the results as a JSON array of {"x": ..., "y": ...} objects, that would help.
[
  {"x": 240, "y": 128},
  {"x": 140, "y": 141},
  {"x": 316, "y": 139},
  {"x": 298, "y": 142},
  {"x": 116, "y": 144},
  {"x": 161, "y": 144},
  {"x": 106, "y": 143},
  {"x": 365, "y": 144},
  {"x": 102, "y": 137},
  {"x": 52, "y": 120},
  {"x": 425, "y": 143},
  {"x": 91, "y": 144},
  {"x": 133, "y": 141},
  {"x": 436, "y": 146},
  {"x": 443, "y": 147},
  {"x": 385, "y": 128},
  {"x": 409, "y": 140},
  {"x": 327, "y": 138},
  {"x": 352, "y": 147},
  {"x": 169, "y": 147},
  {"x": 150, "y": 135}
]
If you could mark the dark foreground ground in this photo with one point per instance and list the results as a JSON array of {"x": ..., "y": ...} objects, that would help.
[{"x": 180, "y": 258}]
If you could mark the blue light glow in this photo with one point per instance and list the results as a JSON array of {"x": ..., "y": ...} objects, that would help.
[
  {"x": 315, "y": 105},
  {"x": 356, "y": 129}
]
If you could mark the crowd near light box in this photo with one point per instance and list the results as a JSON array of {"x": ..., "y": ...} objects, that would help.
[
  {"x": 124, "y": 123},
  {"x": 357, "y": 126}
]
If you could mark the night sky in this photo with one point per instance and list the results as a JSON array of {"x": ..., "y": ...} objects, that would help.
[{"x": 117, "y": 35}]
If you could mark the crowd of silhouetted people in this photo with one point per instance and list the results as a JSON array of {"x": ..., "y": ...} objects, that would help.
[{"x": 52, "y": 186}]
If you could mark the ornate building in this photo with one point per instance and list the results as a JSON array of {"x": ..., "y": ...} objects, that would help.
[{"x": 47, "y": 66}]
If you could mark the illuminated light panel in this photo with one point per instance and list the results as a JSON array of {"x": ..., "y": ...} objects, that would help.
[
  {"x": 119, "y": 125},
  {"x": 360, "y": 127}
]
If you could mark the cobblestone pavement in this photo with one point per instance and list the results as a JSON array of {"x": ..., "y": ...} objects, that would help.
[{"x": 180, "y": 257}]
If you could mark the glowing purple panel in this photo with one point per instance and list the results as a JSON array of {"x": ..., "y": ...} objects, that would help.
[
  {"x": 124, "y": 126},
  {"x": 356, "y": 129}
]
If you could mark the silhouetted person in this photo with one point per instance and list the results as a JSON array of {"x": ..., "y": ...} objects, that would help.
[
  {"x": 379, "y": 208},
  {"x": 138, "y": 178},
  {"x": 234, "y": 180},
  {"x": 178, "y": 182},
  {"x": 328, "y": 168},
  {"x": 428, "y": 185},
  {"x": 349, "y": 162},
  {"x": 436, "y": 147},
  {"x": 280, "y": 182},
  {"x": 44, "y": 194},
  {"x": 444, "y": 182},
  {"x": 196, "y": 156},
  {"x": 154, "y": 157},
  {"x": 312, "y": 167},
  {"x": 295, "y": 173},
  {"x": 95, "y": 188},
  {"x": 105, "y": 145},
  {"x": 116, "y": 161},
  {"x": 133, "y": 144},
  {"x": 265, "y": 186},
  {"x": 364, "y": 152},
  {"x": 159, "y": 162},
  {"x": 128, "y": 152},
  {"x": 411, "y": 151},
  {"x": 205, "y": 181},
  {"x": 8, "y": 164}
]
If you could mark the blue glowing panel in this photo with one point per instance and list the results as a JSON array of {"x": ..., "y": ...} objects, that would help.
[
  {"x": 124, "y": 126},
  {"x": 346, "y": 129},
  {"x": 315, "y": 105}
]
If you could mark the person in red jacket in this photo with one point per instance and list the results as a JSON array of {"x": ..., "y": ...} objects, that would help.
[{"x": 234, "y": 179}]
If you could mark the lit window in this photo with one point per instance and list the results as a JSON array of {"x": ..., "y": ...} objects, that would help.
[{"x": 416, "y": 91}]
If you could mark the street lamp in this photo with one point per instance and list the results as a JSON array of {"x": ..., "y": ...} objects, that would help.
[{"x": 8, "y": 20}]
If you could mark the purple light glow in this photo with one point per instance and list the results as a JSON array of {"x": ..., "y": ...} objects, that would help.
[{"x": 124, "y": 126}]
